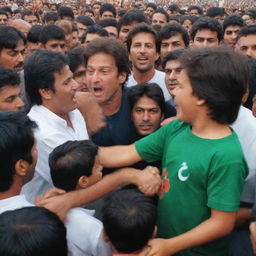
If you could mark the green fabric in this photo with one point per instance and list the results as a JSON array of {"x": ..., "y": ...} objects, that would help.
[{"x": 198, "y": 174}]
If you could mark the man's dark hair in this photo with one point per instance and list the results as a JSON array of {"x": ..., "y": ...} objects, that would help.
[
  {"x": 220, "y": 77},
  {"x": 195, "y": 7},
  {"x": 162, "y": 11},
  {"x": 108, "y": 7},
  {"x": 143, "y": 28},
  {"x": 31, "y": 231},
  {"x": 51, "y": 32},
  {"x": 192, "y": 19},
  {"x": 17, "y": 140},
  {"x": 50, "y": 16},
  {"x": 207, "y": 23},
  {"x": 17, "y": 11},
  {"x": 9, "y": 37},
  {"x": 7, "y": 9},
  {"x": 39, "y": 71},
  {"x": 173, "y": 55},
  {"x": 76, "y": 58},
  {"x": 94, "y": 29},
  {"x": 247, "y": 30},
  {"x": 150, "y": 90},
  {"x": 152, "y": 5},
  {"x": 233, "y": 20},
  {"x": 113, "y": 48},
  {"x": 130, "y": 17},
  {"x": 172, "y": 29},
  {"x": 70, "y": 161},
  {"x": 129, "y": 219},
  {"x": 8, "y": 77},
  {"x": 215, "y": 11},
  {"x": 64, "y": 11},
  {"x": 174, "y": 7},
  {"x": 85, "y": 20},
  {"x": 26, "y": 13},
  {"x": 34, "y": 34},
  {"x": 108, "y": 23},
  {"x": 2, "y": 12}
]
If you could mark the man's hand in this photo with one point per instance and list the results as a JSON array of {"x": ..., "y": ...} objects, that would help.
[
  {"x": 156, "y": 247},
  {"x": 149, "y": 180},
  {"x": 168, "y": 120}
]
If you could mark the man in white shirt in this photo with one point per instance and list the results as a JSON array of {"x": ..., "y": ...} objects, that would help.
[{"x": 51, "y": 90}]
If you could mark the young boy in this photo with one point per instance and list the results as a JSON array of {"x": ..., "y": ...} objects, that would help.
[
  {"x": 202, "y": 160},
  {"x": 129, "y": 221}
]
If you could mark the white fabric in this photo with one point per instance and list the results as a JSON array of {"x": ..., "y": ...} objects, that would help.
[
  {"x": 83, "y": 230},
  {"x": 52, "y": 131},
  {"x": 158, "y": 78}
]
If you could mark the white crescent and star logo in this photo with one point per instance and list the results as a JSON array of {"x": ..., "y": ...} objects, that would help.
[{"x": 181, "y": 175}]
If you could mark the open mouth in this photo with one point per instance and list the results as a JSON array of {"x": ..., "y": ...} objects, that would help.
[{"x": 97, "y": 91}]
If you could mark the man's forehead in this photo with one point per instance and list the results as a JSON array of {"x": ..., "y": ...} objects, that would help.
[{"x": 173, "y": 64}]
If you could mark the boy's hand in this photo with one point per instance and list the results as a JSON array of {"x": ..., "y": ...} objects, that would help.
[{"x": 156, "y": 247}]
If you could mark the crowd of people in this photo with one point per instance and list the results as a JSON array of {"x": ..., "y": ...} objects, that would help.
[{"x": 128, "y": 128}]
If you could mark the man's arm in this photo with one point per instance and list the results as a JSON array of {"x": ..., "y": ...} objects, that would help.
[{"x": 218, "y": 225}]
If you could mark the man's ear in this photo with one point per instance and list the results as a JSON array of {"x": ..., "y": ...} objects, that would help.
[
  {"x": 82, "y": 182},
  {"x": 200, "y": 102},
  {"x": 21, "y": 167},
  {"x": 45, "y": 93},
  {"x": 105, "y": 236},
  {"x": 122, "y": 77}
]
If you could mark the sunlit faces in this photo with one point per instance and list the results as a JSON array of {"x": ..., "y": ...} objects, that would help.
[
  {"x": 149, "y": 11},
  {"x": 81, "y": 29},
  {"x": 90, "y": 37},
  {"x": 10, "y": 99},
  {"x": 230, "y": 35},
  {"x": 146, "y": 115},
  {"x": 96, "y": 172},
  {"x": 107, "y": 15},
  {"x": 159, "y": 19},
  {"x": 172, "y": 71},
  {"x": 96, "y": 8},
  {"x": 194, "y": 12},
  {"x": 187, "y": 24},
  {"x": 102, "y": 78},
  {"x": 80, "y": 78},
  {"x": 31, "y": 19},
  {"x": 206, "y": 38},
  {"x": 3, "y": 19},
  {"x": 124, "y": 31},
  {"x": 55, "y": 45},
  {"x": 247, "y": 45},
  {"x": 13, "y": 58},
  {"x": 112, "y": 31},
  {"x": 143, "y": 52},
  {"x": 247, "y": 19},
  {"x": 170, "y": 44},
  {"x": 62, "y": 100}
]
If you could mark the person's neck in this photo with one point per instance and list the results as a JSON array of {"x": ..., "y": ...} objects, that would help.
[
  {"x": 14, "y": 190},
  {"x": 112, "y": 106},
  {"x": 143, "y": 77}
]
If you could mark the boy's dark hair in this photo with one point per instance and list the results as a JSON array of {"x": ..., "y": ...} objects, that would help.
[
  {"x": 173, "y": 55},
  {"x": 17, "y": 140},
  {"x": 233, "y": 20},
  {"x": 76, "y": 58},
  {"x": 8, "y": 77},
  {"x": 143, "y": 28},
  {"x": 71, "y": 160},
  {"x": 174, "y": 7},
  {"x": 130, "y": 17},
  {"x": 39, "y": 71},
  {"x": 50, "y": 16},
  {"x": 108, "y": 23},
  {"x": 195, "y": 7},
  {"x": 34, "y": 34},
  {"x": 85, "y": 20},
  {"x": 108, "y": 7},
  {"x": 31, "y": 231},
  {"x": 111, "y": 47},
  {"x": 220, "y": 77},
  {"x": 247, "y": 30},
  {"x": 172, "y": 29},
  {"x": 51, "y": 32},
  {"x": 129, "y": 219},
  {"x": 150, "y": 90},
  {"x": 9, "y": 37},
  {"x": 207, "y": 23},
  {"x": 64, "y": 11},
  {"x": 162, "y": 11},
  {"x": 94, "y": 29},
  {"x": 215, "y": 11}
]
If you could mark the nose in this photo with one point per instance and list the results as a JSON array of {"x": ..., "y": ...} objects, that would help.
[
  {"x": 205, "y": 43},
  {"x": 19, "y": 103},
  {"x": 172, "y": 75},
  {"x": 94, "y": 77},
  {"x": 20, "y": 57},
  {"x": 145, "y": 116},
  {"x": 74, "y": 85},
  {"x": 249, "y": 52}
]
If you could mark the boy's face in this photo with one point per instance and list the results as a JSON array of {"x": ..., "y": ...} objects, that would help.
[{"x": 96, "y": 173}]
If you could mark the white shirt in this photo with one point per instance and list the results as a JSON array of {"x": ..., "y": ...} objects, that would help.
[
  {"x": 83, "y": 230},
  {"x": 158, "y": 78},
  {"x": 52, "y": 131}
]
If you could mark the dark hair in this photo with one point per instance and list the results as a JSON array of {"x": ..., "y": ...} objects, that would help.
[
  {"x": 108, "y": 23},
  {"x": 8, "y": 77},
  {"x": 172, "y": 29},
  {"x": 64, "y": 11},
  {"x": 177, "y": 19},
  {"x": 111, "y": 47},
  {"x": 17, "y": 140},
  {"x": 76, "y": 58},
  {"x": 31, "y": 231},
  {"x": 108, "y": 7},
  {"x": 17, "y": 11},
  {"x": 152, "y": 5},
  {"x": 51, "y": 32},
  {"x": 195, "y": 7},
  {"x": 250, "y": 14},
  {"x": 7, "y": 9},
  {"x": 26, "y": 13},
  {"x": 247, "y": 30},
  {"x": 220, "y": 77},
  {"x": 193, "y": 19},
  {"x": 85, "y": 20},
  {"x": 173, "y": 55},
  {"x": 94, "y": 29},
  {"x": 130, "y": 17},
  {"x": 50, "y": 16},
  {"x": 215, "y": 11},
  {"x": 151, "y": 90},
  {"x": 90, "y": 11},
  {"x": 39, "y": 71},
  {"x": 207, "y": 23},
  {"x": 174, "y": 7},
  {"x": 143, "y": 28},
  {"x": 9, "y": 37},
  {"x": 121, "y": 13},
  {"x": 34, "y": 34},
  {"x": 129, "y": 219},
  {"x": 233, "y": 20},
  {"x": 2, "y": 12},
  {"x": 71, "y": 160},
  {"x": 162, "y": 11}
]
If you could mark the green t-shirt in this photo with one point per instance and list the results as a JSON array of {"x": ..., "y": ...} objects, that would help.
[{"x": 198, "y": 174}]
